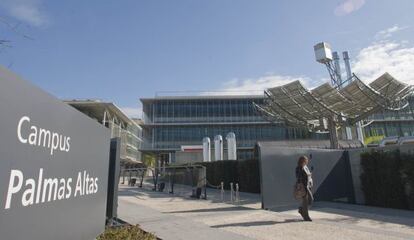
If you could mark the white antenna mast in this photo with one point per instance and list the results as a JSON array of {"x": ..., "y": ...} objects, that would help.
[{"x": 324, "y": 55}]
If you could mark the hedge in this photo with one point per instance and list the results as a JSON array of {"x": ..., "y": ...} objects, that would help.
[
  {"x": 408, "y": 177},
  {"x": 243, "y": 172},
  {"x": 388, "y": 179}
]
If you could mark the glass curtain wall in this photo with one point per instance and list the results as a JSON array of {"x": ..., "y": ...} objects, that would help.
[
  {"x": 392, "y": 123},
  {"x": 247, "y": 135},
  {"x": 171, "y": 123},
  {"x": 211, "y": 110}
]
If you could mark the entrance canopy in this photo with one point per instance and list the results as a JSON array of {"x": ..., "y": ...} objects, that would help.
[{"x": 295, "y": 105}]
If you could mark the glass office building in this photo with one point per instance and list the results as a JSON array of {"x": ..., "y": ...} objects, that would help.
[
  {"x": 119, "y": 125},
  {"x": 175, "y": 121},
  {"x": 392, "y": 123},
  {"x": 172, "y": 122}
]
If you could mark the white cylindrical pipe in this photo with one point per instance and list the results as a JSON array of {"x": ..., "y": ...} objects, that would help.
[
  {"x": 360, "y": 130},
  {"x": 231, "y": 146},
  {"x": 348, "y": 131},
  {"x": 347, "y": 65},
  {"x": 218, "y": 147},
  {"x": 206, "y": 150},
  {"x": 337, "y": 67}
]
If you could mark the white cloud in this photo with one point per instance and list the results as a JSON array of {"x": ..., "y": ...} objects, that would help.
[
  {"x": 132, "y": 112},
  {"x": 255, "y": 86},
  {"x": 386, "y": 55},
  {"x": 387, "y": 33},
  {"x": 28, "y": 11},
  {"x": 348, "y": 6},
  {"x": 394, "y": 57}
]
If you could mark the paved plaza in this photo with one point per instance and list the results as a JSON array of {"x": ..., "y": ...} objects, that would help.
[{"x": 179, "y": 217}]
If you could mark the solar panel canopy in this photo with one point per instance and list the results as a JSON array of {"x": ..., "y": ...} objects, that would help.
[{"x": 296, "y": 105}]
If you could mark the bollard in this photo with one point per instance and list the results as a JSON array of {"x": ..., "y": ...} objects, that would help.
[
  {"x": 237, "y": 193},
  {"x": 231, "y": 192},
  {"x": 222, "y": 191}
]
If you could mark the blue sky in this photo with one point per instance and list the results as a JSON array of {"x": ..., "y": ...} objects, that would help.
[{"x": 122, "y": 50}]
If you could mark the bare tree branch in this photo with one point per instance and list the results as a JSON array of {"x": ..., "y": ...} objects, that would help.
[
  {"x": 7, "y": 44},
  {"x": 14, "y": 28}
]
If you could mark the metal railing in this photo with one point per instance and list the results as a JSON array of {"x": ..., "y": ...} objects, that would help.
[{"x": 181, "y": 180}]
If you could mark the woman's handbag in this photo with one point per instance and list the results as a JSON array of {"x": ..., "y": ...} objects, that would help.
[{"x": 299, "y": 191}]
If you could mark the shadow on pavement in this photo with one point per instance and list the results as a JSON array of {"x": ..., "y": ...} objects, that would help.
[
  {"x": 223, "y": 209},
  {"x": 355, "y": 213},
  {"x": 258, "y": 223},
  {"x": 142, "y": 192},
  {"x": 212, "y": 195},
  {"x": 352, "y": 214}
]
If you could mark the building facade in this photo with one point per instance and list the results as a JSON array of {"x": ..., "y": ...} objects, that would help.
[
  {"x": 173, "y": 122},
  {"x": 120, "y": 125},
  {"x": 391, "y": 123}
]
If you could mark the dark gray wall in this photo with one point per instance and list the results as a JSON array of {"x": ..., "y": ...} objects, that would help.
[
  {"x": 81, "y": 217},
  {"x": 331, "y": 174},
  {"x": 113, "y": 179}
]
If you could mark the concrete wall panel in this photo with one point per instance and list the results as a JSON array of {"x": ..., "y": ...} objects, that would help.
[{"x": 331, "y": 175}]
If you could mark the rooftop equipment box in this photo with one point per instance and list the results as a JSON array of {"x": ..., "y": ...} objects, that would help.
[{"x": 323, "y": 52}]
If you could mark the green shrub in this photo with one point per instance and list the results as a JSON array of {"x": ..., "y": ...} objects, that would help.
[
  {"x": 385, "y": 177},
  {"x": 243, "y": 172},
  {"x": 408, "y": 177},
  {"x": 221, "y": 171},
  {"x": 125, "y": 233},
  {"x": 249, "y": 176}
]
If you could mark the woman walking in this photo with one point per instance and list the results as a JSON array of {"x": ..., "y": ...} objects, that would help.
[{"x": 303, "y": 187}]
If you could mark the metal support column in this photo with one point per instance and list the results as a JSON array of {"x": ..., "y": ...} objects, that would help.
[{"x": 360, "y": 132}]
